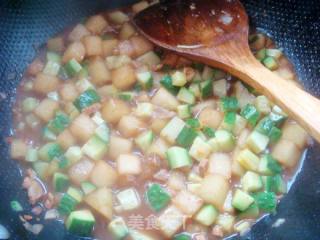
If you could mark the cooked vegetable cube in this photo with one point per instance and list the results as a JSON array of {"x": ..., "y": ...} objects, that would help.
[
  {"x": 128, "y": 199},
  {"x": 118, "y": 228},
  {"x": 128, "y": 164},
  {"x": 270, "y": 63},
  {"x": 225, "y": 140},
  {"x": 95, "y": 148},
  {"x": 229, "y": 104},
  {"x": 187, "y": 202},
  {"x": 81, "y": 223},
  {"x": 86, "y": 99},
  {"x": 179, "y": 79},
  {"x": 50, "y": 151},
  {"x": 210, "y": 118},
  {"x": 165, "y": 99},
  {"x": 251, "y": 114},
  {"x": 67, "y": 204},
  {"x": 186, "y": 137},
  {"x": 274, "y": 184},
  {"x": 101, "y": 201},
  {"x": 114, "y": 109},
  {"x": 286, "y": 152},
  {"x": 293, "y": 132},
  {"x": 66, "y": 139},
  {"x": 262, "y": 104},
  {"x": 178, "y": 157},
  {"x": 220, "y": 88},
  {"x": 44, "y": 83},
  {"x": 184, "y": 111},
  {"x": 186, "y": 96},
  {"x": 96, "y": 24},
  {"x": 60, "y": 182},
  {"x": 157, "y": 197},
  {"x": 98, "y": 71},
  {"x": 72, "y": 67},
  {"x": 214, "y": 189},
  {"x": 199, "y": 149},
  {"x": 266, "y": 201},
  {"x": 226, "y": 221},
  {"x": 269, "y": 166},
  {"x": 59, "y": 123},
  {"x": 159, "y": 147},
  {"x": 251, "y": 182},
  {"x": 83, "y": 127},
  {"x": 257, "y": 142},
  {"x": 241, "y": 200},
  {"x": 87, "y": 187},
  {"x": 145, "y": 80},
  {"x": 46, "y": 109},
  {"x": 166, "y": 82},
  {"x": 207, "y": 215},
  {"x": 73, "y": 154},
  {"x": 170, "y": 221},
  {"x": 103, "y": 175},
  {"x": 144, "y": 110},
  {"x": 193, "y": 123},
  {"x": 220, "y": 163},
  {"x": 118, "y": 146},
  {"x": 176, "y": 181},
  {"x": 80, "y": 171},
  {"x": 124, "y": 77},
  {"x": 172, "y": 130},
  {"x": 275, "y": 134},
  {"x": 248, "y": 160},
  {"x": 130, "y": 126},
  {"x": 251, "y": 212},
  {"x": 265, "y": 125}
]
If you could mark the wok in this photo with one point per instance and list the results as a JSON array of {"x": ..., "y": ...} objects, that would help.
[{"x": 27, "y": 24}]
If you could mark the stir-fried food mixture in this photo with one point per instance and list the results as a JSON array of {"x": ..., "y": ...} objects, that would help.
[{"x": 123, "y": 140}]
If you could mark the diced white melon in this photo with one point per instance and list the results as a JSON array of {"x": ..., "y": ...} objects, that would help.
[
  {"x": 129, "y": 164},
  {"x": 286, "y": 152},
  {"x": 176, "y": 181},
  {"x": 165, "y": 99},
  {"x": 187, "y": 202},
  {"x": 103, "y": 175},
  {"x": 257, "y": 142},
  {"x": 171, "y": 131},
  {"x": 220, "y": 163},
  {"x": 159, "y": 147},
  {"x": 170, "y": 221},
  {"x": 200, "y": 149},
  {"x": 101, "y": 201},
  {"x": 129, "y": 199},
  {"x": 293, "y": 132}
]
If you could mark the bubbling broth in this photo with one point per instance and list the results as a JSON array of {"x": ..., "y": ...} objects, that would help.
[{"x": 123, "y": 140}]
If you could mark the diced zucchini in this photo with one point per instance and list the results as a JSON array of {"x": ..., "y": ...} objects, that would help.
[
  {"x": 32, "y": 154},
  {"x": 274, "y": 184},
  {"x": 239, "y": 125},
  {"x": 73, "y": 154},
  {"x": 207, "y": 215},
  {"x": 182, "y": 236},
  {"x": 50, "y": 151},
  {"x": 40, "y": 168},
  {"x": 261, "y": 54},
  {"x": 206, "y": 89},
  {"x": 140, "y": 235},
  {"x": 270, "y": 63},
  {"x": 170, "y": 221},
  {"x": 241, "y": 200},
  {"x": 178, "y": 157},
  {"x": 53, "y": 64},
  {"x": 126, "y": 96},
  {"x": 129, "y": 199},
  {"x": 195, "y": 89},
  {"x": 220, "y": 88},
  {"x": 95, "y": 148},
  {"x": 266, "y": 201},
  {"x": 257, "y": 142},
  {"x": 275, "y": 53},
  {"x": 72, "y": 68},
  {"x": 184, "y": 111},
  {"x": 87, "y": 187},
  {"x": 157, "y": 197},
  {"x": 67, "y": 204},
  {"x": 229, "y": 121},
  {"x": 207, "y": 73},
  {"x": 144, "y": 110},
  {"x": 262, "y": 104},
  {"x": 251, "y": 182},
  {"x": 118, "y": 228},
  {"x": 186, "y": 96},
  {"x": 144, "y": 140},
  {"x": 86, "y": 99},
  {"x": 264, "y": 126},
  {"x": 81, "y": 222},
  {"x": 225, "y": 140},
  {"x": 269, "y": 166},
  {"x": 166, "y": 82},
  {"x": 208, "y": 132},
  {"x": 199, "y": 149},
  {"x": 226, "y": 221},
  {"x": 60, "y": 182},
  {"x": 84, "y": 84},
  {"x": 251, "y": 114},
  {"x": 145, "y": 80},
  {"x": 29, "y": 104},
  {"x": 229, "y": 104},
  {"x": 179, "y": 79},
  {"x": 251, "y": 212},
  {"x": 59, "y": 123},
  {"x": 75, "y": 194},
  {"x": 48, "y": 135},
  {"x": 186, "y": 137},
  {"x": 275, "y": 134},
  {"x": 103, "y": 132},
  {"x": 173, "y": 128},
  {"x": 278, "y": 119},
  {"x": 193, "y": 123},
  {"x": 150, "y": 58},
  {"x": 248, "y": 160}
]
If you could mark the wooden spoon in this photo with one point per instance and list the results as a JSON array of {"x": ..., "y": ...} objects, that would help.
[{"x": 215, "y": 32}]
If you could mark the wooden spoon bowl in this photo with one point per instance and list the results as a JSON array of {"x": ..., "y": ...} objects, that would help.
[{"x": 215, "y": 32}]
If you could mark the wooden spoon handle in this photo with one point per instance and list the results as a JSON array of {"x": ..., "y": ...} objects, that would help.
[{"x": 299, "y": 104}]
